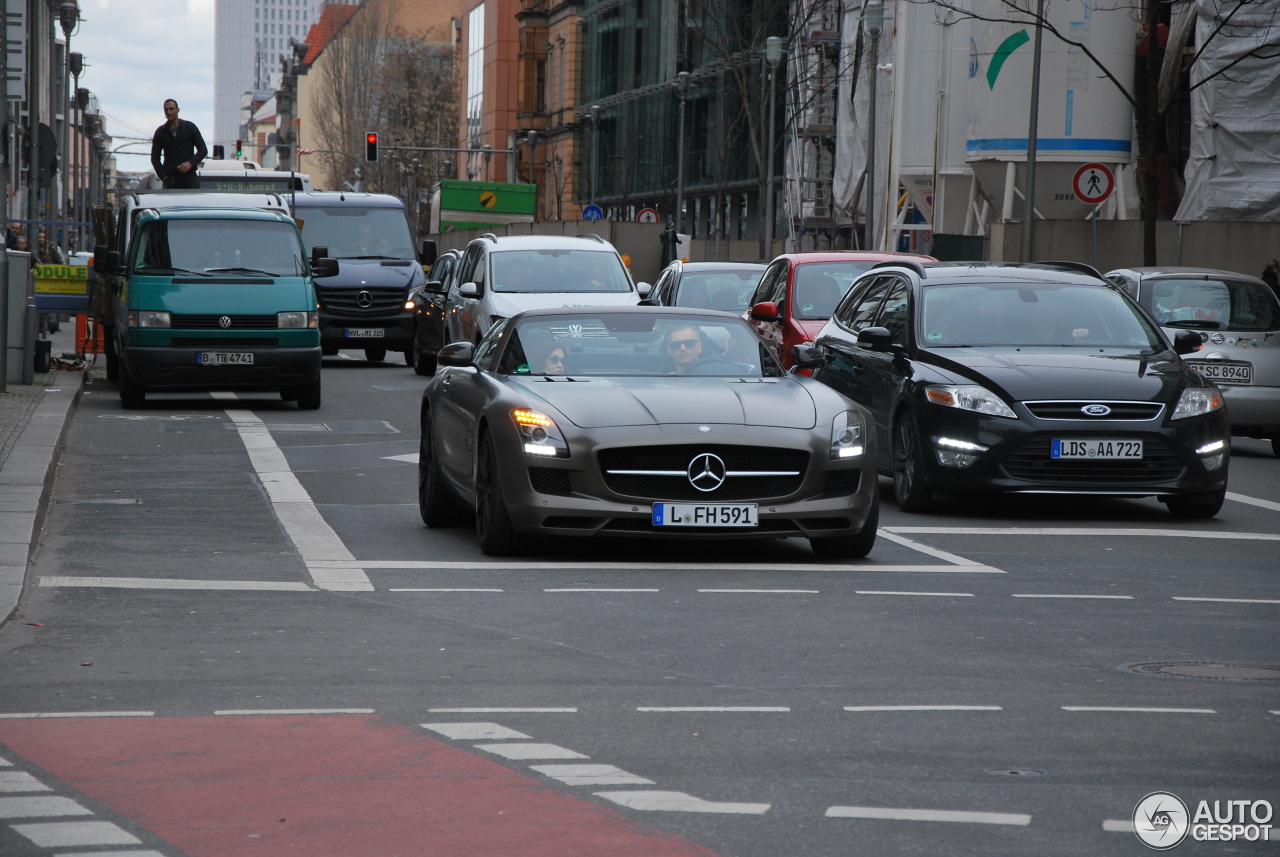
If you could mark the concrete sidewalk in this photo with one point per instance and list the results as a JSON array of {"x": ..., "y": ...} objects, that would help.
[{"x": 33, "y": 421}]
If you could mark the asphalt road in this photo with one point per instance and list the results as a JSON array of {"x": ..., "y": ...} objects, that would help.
[{"x": 242, "y": 641}]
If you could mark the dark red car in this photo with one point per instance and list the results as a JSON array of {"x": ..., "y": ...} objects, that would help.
[{"x": 799, "y": 291}]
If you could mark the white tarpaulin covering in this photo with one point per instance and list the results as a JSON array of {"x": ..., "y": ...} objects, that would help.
[
  {"x": 851, "y": 122},
  {"x": 1234, "y": 169}
]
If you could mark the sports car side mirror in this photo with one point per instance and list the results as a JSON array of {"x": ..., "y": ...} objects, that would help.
[
  {"x": 765, "y": 311},
  {"x": 455, "y": 354},
  {"x": 875, "y": 338},
  {"x": 1187, "y": 342}
]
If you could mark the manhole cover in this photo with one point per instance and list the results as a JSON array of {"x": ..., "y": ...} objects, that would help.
[{"x": 1206, "y": 670}]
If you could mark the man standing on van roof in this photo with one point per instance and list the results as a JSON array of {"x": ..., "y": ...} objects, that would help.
[{"x": 177, "y": 149}]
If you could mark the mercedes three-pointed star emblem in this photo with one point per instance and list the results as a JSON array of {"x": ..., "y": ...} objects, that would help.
[{"x": 707, "y": 472}]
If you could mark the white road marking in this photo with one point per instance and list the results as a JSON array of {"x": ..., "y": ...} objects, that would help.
[
  {"x": 48, "y": 714},
  {"x": 502, "y": 710},
  {"x": 5, "y": 763},
  {"x": 1139, "y": 710},
  {"x": 1084, "y": 531},
  {"x": 923, "y": 708},
  {"x": 729, "y": 709},
  {"x": 20, "y": 781},
  {"x": 763, "y": 591},
  {"x": 530, "y": 751},
  {"x": 591, "y": 775},
  {"x": 474, "y": 731},
  {"x": 411, "y": 458},
  {"x": 40, "y": 807},
  {"x": 74, "y": 833},
  {"x": 892, "y": 534},
  {"x": 1118, "y": 825},
  {"x": 477, "y": 589},
  {"x": 938, "y": 594},
  {"x": 501, "y": 565},
  {"x": 1113, "y": 597},
  {"x": 891, "y": 814},
  {"x": 276, "y": 712},
  {"x": 310, "y": 533},
  {"x": 680, "y": 802},
  {"x": 1230, "y": 600},
  {"x": 1254, "y": 501},
  {"x": 174, "y": 583},
  {"x": 584, "y": 589}
]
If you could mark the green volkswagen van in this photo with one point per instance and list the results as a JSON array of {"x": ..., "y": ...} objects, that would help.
[{"x": 217, "y": 299}]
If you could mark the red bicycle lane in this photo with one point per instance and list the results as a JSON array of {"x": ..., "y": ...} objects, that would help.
[{"x": 321, "y": 786}]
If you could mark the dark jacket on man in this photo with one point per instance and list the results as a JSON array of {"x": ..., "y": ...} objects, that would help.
[{"x": 170, "y": 148}]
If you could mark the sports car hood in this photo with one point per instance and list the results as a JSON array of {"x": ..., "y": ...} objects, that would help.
[
  {"x": 605, "y": 402},
  {"x": 1067, "y": 373}
]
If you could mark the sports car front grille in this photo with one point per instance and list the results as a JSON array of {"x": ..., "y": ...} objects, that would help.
[
  {"x": 236, "y": 322},
  {"x": 773, "y": 472},
  {"x": 842, "y": 482},
  {"x": 547, "y": 480},
  {"x": 1031, "y": 461},
  {"x": 1075, "y": 410}
]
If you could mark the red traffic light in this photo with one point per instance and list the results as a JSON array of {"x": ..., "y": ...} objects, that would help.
[{"x": 371, "y": 146}]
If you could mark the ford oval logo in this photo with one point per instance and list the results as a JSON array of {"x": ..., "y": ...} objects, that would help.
[{"x": 1095, "y": 410}]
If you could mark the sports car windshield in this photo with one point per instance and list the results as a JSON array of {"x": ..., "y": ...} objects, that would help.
[
  {"x": 635, "y": 343},
  {"x": 1033, "y": 314}
]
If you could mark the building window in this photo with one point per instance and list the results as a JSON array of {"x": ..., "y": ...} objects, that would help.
[{"x": 475, "y": 75}]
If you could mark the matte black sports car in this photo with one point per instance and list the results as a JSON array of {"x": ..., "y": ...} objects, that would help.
[
  {"x": 640, "y": 421},
  {"x": 1033, "y": 379}
]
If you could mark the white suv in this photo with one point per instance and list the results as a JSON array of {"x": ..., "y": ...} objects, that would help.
[{"x": 500, "y": 277}]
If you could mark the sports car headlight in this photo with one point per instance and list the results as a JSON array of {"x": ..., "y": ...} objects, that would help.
[
  {"x": 968, "y": 397},
  {"x": 848, "y": 435},
  {"x": 1196, "y": 401},
  {"x": 539, "y": 434}
]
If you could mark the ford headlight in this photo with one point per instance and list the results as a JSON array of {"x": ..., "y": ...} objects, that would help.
[
  {"x": 848, "y": 435},
  {"x": 1196, "y": 401},
  {"x": 539, "y": 434},
  {"x": 968, "y": 397}
]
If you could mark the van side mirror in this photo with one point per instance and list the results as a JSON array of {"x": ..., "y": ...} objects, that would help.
[
  {"x": 324, "y": 267},
  {"x": 318, "y": 253},
  {"x": 428, "y": 255},
  {"x": 99, "y": 258},
  {"x": 113, "y": 264}
]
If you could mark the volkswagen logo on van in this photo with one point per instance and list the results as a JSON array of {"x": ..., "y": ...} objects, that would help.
[
  {"x": 224, "y": 322},
  {"x": 1095, "y": 410}
]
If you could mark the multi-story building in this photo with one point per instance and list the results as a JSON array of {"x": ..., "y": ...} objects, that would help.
[{"x": 249, "y": 37}]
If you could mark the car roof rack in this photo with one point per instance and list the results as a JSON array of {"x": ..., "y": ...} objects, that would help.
[
  {"x": 491, "y": 237},
  {"x": 904, "y": 263},
  {"x": 1079, "y": 267},
  {"x": 592, "y": 236}
]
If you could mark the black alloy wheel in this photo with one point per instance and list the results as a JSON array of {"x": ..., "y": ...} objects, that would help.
[
  {"x": 851, "y": 547},
  {"x": 435, "y": 505},
  {"x": 423, "y": 362},
  {"x": 493, "y": 525},
  {"x": 375, "y": 355},
  {"x": 909, "y": 488},
  {"x": 1204, "y": 505}
]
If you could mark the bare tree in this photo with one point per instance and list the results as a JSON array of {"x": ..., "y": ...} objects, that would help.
[{"x": 1161, "y": 93}]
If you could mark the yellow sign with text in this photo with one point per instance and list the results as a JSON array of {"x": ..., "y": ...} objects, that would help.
[{"x": 62, "y": 279}]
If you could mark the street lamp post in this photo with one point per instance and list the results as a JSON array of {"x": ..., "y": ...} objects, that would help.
[
  {"x": 1029, "y": 197},
  {"x": 682, "y": 88},
  {"x": 595, "y": 144},
  {"x": 772, "y": 55},
  {"x": 68, "y": 17},
  {"x": 873, "y": 20}
]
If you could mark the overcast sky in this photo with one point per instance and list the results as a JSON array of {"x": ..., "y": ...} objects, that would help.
[{"x": 137, "y": 53}]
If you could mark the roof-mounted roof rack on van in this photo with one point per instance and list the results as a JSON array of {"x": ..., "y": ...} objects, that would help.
[{"x": 903, "y": 263}]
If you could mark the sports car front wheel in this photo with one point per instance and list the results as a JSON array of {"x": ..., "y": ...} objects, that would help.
[
  {"x": 435, "y": 505},
  {"x": 493, "y": 525},
  {"x": 851, "y": 547}
]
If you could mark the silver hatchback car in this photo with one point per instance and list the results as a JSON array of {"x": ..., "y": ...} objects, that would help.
[{"x": 1238, "y": 317}]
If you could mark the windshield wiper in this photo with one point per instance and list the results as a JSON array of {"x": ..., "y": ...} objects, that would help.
[
  {"x": 171, "y": 271},
  {"x": 243, "y": 271},
  {"x": 1194, "y": 324}
]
